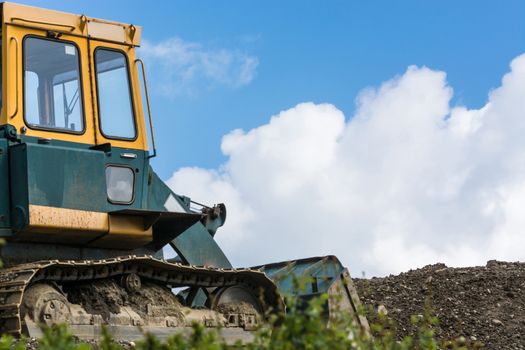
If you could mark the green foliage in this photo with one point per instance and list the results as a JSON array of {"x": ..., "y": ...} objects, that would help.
[
  {"x": 59, "y": 338},
  {"x": 7, "y": 342},
  {"x": 303, "y": 330},
  {"x": 106, "y": 342}
]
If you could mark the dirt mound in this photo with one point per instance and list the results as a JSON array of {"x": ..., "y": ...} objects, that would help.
[{"x": 483, "y": 304}]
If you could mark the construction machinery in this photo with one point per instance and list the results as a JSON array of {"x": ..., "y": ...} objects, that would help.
[{"x": 84, "y": 216}]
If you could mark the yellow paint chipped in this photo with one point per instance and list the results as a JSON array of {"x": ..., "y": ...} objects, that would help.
[
  {"x": 71, "y": 226},
  {"x": 46, "y": 219}
]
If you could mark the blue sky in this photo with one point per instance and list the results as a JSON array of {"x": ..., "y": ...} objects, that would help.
[
  {"x": 388, "y": 133},
  {"x": 311, "y": 51}
]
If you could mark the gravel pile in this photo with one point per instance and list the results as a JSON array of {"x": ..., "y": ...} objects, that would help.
[{"x": 484, "y": 304}]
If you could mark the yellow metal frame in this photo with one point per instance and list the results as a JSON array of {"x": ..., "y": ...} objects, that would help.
[
  {"x": 61, "y": 225},
  {"x": 67, "y": 23},
  {"x": 141, "y": 141},
  {"x": 88, "y": 34}
]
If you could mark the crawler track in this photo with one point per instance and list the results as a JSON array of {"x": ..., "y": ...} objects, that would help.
[{"x": 15, "y": 281}]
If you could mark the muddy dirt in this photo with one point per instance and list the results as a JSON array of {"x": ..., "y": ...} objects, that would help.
[
  {"x": 102, "y": 297},
  {"x": 485, "y": 305},
  {"x": 239, "y": 308}
]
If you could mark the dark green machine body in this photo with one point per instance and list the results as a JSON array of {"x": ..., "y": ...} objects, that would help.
[
  {"x": 61, "y": 174},
  {"x": 67, "y": 175}
]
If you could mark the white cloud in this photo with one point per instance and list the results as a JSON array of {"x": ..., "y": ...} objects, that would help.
[
  {"x": 408, "y": 180},
  {"x": 185, "y": 67}
]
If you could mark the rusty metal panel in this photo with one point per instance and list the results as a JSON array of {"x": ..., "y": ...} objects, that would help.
[{"x": 321, "y": 275}]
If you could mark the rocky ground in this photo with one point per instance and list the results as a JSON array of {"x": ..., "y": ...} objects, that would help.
[
  {"x": 32, "y": 344},
  {"x": 485, "y": 304}
]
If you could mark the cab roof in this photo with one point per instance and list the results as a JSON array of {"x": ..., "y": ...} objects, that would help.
[{"x": 72, "y": 24}]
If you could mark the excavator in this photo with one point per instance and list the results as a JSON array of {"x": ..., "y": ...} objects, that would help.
[{"x": 84, "y": 216}]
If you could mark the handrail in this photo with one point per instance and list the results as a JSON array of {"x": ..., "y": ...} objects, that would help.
[
  {"x": 138, "y": 60},
  {"x": 71, "y": 28},
  {"x": 16, "y": 77}
]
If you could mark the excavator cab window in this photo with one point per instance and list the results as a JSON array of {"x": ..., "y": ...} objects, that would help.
[
  {"x": 120, "y": 182},
  {"x": 52, "y": 89},
  {"x": 114, "y": 95}
]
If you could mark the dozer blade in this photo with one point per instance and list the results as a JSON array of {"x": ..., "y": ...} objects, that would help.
[{"x": 323, "y": 275}]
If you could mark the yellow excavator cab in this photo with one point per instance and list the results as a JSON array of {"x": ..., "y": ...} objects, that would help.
[{"x": 64, "y": 74}]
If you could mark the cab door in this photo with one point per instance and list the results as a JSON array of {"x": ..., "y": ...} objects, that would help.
[{"x": 119, "y": 123}]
